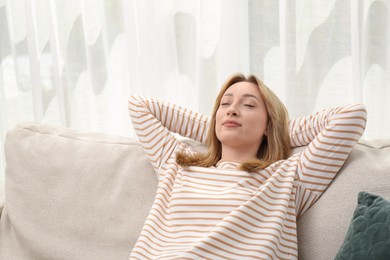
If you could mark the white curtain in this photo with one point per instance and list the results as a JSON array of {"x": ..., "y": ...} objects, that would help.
[{"x": 74, "y": 63}]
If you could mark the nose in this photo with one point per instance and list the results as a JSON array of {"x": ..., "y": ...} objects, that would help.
[{"x": 232, "y": 112}]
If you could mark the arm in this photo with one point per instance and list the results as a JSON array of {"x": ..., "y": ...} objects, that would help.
[
  {"x": 330, "y": 135},
  {"x": 155, "y": 121}
]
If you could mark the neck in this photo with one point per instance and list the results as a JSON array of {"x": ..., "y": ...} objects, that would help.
[{"x": 237, "y": 154}]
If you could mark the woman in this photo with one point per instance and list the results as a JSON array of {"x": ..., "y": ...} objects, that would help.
[{"x": 240, "y": 199}]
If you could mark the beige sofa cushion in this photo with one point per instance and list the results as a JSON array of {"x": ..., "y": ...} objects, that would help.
[{"x": 73, "y": 195}]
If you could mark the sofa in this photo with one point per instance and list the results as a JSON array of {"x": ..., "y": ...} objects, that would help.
[{"x": 80, "y": 195}]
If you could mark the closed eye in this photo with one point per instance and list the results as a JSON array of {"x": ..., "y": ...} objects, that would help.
[{"x": 248, "y": 105}]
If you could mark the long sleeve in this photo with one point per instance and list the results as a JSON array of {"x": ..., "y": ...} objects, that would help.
[
  {"x": 155, "y": 122},
  {"x": 222, "y": 212},
  {"x": 330, "y": 135}
]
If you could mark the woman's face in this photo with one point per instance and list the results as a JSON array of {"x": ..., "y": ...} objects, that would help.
[{"x": 241, "y": 118}]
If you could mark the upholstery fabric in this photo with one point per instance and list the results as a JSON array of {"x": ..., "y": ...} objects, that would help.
[
  {"x": 73, "y": 195},
  {"x": 322, "y": 229}
]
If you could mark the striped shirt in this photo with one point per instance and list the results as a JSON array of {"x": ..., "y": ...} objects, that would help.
[{"x": 221, "y": 212}]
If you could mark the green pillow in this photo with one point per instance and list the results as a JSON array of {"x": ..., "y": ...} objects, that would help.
[{"x": 368, "y": 235}]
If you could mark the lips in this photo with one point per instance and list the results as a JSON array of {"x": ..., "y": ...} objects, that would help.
[{"x": 231, "y": 123}]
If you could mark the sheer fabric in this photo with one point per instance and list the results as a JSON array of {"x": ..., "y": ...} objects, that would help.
[{"x": 75, "y": 63}]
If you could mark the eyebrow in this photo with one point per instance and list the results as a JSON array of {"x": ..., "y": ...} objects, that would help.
[{"x": 245, "y": 95}]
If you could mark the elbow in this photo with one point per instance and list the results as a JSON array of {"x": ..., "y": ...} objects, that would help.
[
  {"x": 356, "y": 113},
  {"x": 359, "y": 112},
  {"x": 362, "y": 111}
]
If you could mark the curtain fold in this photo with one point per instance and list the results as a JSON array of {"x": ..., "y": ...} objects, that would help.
[{"x": 74, "y": 63}]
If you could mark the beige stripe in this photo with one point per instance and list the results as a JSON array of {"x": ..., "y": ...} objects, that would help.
[
  {"x": 278, "y": 250},
  {"x": 148, "y": 225},
  {"x": 269, "y": 209},
  {"x": 146, "y": 126},
  {"x": 350, "y": 125},
  {"x": 318, "y": 170},
  {"x": 238, "y": 254},
  {"x": 273, "y": 227},
  {"x": 273, "y": 241},
  {"x": 314, "y": 183},
  {"x": 258, "y": 232},
  {"x": 351, "y": 118},
  {"x": 168, "y": 138},
  {"x": 188, "y": 123},
  {"x": 211, "y": 179},
  {"x": 318, "y": 162},
  {"x": 302, "y": 206},
  {"x": 181, "y": 120},
  {"x": 194, "y": 253},
  {"x": 171, "y": 218},
  {"x": 310, "y": 203},
  {"x": 161, "y": 131},
  {"x": 327, "y": 150},
  {"x": 212, "y": 253},
  {"x": 343, "y": 138},
  {"x": 176, "y": 224},
  {"x": 136, "y": 250},
  {"x": 176, "y": 240},
  {"x": 210, "y": 199},
  {"x": 145, "y": 249}
]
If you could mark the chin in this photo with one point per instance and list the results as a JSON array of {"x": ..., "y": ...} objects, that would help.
[{"x": 227, "y": 137}]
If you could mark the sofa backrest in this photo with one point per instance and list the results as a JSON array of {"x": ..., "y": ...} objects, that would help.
[{"x": 73, "y": 195}]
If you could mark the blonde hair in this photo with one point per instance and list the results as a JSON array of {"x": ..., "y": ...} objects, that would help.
[{"x": 275, "y": 145}]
